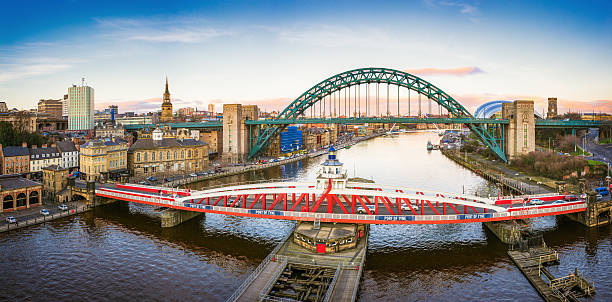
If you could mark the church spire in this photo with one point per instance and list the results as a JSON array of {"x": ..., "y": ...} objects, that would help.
[{"x": 167, "y": 92}]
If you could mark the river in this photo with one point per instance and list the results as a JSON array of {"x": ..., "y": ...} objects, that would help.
[{"x": 118, "y": 252}]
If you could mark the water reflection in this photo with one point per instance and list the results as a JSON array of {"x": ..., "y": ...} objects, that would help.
[{"x": 118, "y": 252}]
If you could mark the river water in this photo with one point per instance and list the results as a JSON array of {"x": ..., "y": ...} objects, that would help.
[{"x": 119, "y": 253}]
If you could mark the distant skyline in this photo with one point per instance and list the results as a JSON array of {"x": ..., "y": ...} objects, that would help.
[{"x": 269, "y": 52}]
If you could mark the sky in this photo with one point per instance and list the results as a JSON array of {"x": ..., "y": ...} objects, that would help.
[{"x": 270, "y": 52}]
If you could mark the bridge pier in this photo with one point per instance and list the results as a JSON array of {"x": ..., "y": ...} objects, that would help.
[
  {"x": 597, "y": 213},
  {"x": 507, "y": 232},
  {"x": 172, "y": 217}
]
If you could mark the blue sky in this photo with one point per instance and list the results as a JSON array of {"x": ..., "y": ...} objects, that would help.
[{"x": 269, "y": 52}]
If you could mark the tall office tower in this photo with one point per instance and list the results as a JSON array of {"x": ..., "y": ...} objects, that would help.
[{"x": 80, "y": 107}]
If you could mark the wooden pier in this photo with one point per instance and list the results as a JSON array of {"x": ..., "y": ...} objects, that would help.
[
  {"x": 291, "y": 273},
  {"x": 532, "y": 261}
]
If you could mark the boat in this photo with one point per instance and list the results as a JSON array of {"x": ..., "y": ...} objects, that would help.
[{"x": 430, "y": 146}]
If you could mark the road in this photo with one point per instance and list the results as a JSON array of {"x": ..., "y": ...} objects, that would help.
[
  {"x": 31, "y": 213},
  {"x": 600, "y": 152}
]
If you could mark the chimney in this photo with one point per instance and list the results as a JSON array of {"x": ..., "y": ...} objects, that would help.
[
  {"x": 44, "y": 146},
  {"x": 53, "y": 145},
  {"x": 34, "y": 146},
  {"x": 24, "y": 144}
]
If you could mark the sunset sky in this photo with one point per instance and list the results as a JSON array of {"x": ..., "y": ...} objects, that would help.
[{"x": 269, "y": 52}]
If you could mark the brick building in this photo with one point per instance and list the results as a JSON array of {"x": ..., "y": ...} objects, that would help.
[
  {"x": 18, "y": 193},
  {"x": 15, "y": 159}
]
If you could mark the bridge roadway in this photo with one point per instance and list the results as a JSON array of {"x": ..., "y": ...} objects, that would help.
[{"x": 358, "y": 203}]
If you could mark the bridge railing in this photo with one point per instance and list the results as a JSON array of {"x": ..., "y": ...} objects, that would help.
[{"x": 260, "y": 267}]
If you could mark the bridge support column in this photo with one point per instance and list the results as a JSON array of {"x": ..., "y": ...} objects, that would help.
[
  {"x": 508, "y": 232},
  {"x": 172, "y": 217},
  {"x": 597, "y": 213}
]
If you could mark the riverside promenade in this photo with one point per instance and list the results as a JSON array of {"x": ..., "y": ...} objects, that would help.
[{"x": 514, "y": 181}]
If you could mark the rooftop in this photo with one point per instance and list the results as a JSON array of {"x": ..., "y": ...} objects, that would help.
[
  {"x": 12, "y": 182},
  {"x": 15, "y": 151},
  {"x": 66, "y": 146}
]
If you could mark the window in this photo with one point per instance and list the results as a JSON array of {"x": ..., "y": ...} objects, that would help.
[
  {"x": 146, "y": 156},
  {"x": 189, "y": 153},
  {"x": 153, "y": 156},
  {"x": 137, "y": 156},
  {"x": 182, "y": 153}
]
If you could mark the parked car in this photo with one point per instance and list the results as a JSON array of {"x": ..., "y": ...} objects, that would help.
[
  {"x": 11, "y": 219},
  {"x": 602, "y": 190},
  {"x": 193, "y": 175},
  {"x": 44, "y": 212},
  {"x": 63, "y": 207},
  {"x": 536, "y": 201},
  {"x": 599, "y": 197},
  {"x": 142, "y": 182},
  {"x": 167, "y": 179},
  {"x": 361, "y": 210},
  {"x": 151, "y": 179}
]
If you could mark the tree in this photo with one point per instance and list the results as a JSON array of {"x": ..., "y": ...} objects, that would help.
[{"x": 12, "y": 137}]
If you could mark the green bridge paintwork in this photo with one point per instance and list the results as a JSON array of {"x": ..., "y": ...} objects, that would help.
[
  {"x": 367, "y": 76},
  {"x": 188, "y": 125}
]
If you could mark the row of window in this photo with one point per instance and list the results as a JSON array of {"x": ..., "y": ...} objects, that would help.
[
  {"x": 44, "y": 155},
  {"x": 160, "y": 155}
]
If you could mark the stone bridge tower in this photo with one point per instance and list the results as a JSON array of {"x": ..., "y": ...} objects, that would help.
[{"x": 520, "y": 131}]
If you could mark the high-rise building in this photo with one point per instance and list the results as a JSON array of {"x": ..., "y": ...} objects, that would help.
[
  {"x": 80, "y": 108},
  {"x": 166, "y": 114},
  {"x": 65, "y": 106},
  {"x": 51, "y": 107}
]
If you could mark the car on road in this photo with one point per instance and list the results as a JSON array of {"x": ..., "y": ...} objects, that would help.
[
  {"x": 44, "y": 212},
  {"x": 11, "y": 219},
  {"x": 571, "y": 198},
  {"x": 193, "y": 175},
  {"x": 167, "y": 179},
  {"x": 559, "y": 201},
  {"x": 63, "y": 207},
  {"x": 142, "y": 182},
  {"x": 415, "y": 207},
  {"x": 151, "y": 179},
  {"x": 361, "y": 209},
  {"x": 536, "y": 201}
]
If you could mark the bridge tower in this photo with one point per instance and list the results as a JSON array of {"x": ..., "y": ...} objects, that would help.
[
  {"x": 552, "y": 108},
  {"x": 519, "y": 134},
  {"x": 236, "y": 134}
]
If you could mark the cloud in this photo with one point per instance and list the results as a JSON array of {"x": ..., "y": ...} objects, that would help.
[
  {"x": 183, "y": 30},
  {"x": 459, "y": 71},
  {"x": 465, "y": 7},
  {"x": 31, "y": 68}
]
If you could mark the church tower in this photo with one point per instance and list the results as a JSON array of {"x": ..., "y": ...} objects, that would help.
[{"x": 166, "y": 114}]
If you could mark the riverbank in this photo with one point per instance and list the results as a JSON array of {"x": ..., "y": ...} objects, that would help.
[
  {"x": 236, "y": 170},
  {"x": 512, "y": 180}
]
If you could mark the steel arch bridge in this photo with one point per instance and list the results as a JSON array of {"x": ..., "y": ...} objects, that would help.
[{"x": 367, "y": 76}]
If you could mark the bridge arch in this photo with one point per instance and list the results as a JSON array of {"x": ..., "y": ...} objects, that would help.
[{"x": 370, "y": 75}]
